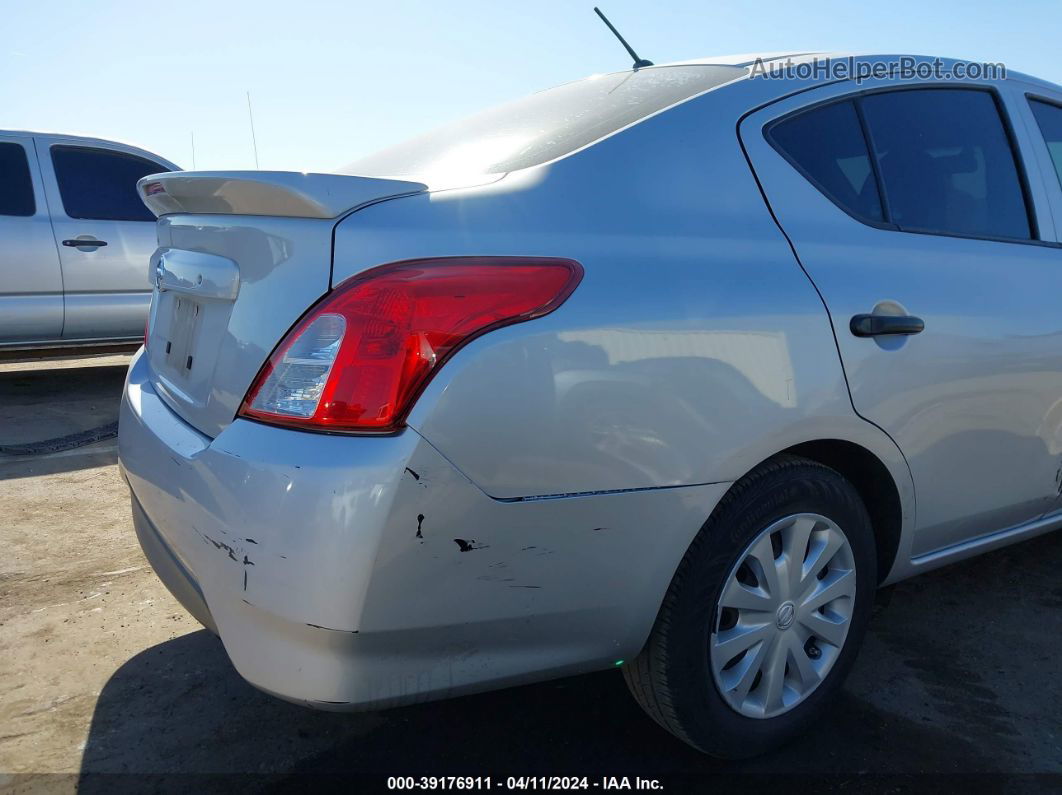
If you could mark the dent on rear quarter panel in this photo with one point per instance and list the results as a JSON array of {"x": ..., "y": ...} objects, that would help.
[{"x": 694, "y": 348}]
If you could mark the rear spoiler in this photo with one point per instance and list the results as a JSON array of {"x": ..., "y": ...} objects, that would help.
[{"x": 276, "y": 193}]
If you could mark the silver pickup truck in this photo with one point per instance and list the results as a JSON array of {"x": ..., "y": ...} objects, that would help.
[{"x": 75, "y": 240}]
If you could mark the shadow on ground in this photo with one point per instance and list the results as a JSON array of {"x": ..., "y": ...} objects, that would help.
[
  {"x": 933, "y": 693},
  {"x": 38, "y": 404}
]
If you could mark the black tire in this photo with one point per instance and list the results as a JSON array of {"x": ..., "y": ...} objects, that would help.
[{"x": 672, "y": 679}]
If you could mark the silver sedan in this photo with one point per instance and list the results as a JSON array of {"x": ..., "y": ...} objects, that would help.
[{"x": 669, "y": 369}]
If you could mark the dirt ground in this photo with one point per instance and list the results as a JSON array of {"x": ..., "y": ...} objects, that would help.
[{"x": 105, "y": 680}]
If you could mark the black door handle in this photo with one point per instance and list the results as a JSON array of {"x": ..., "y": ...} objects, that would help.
[
  {"x": 75, "y": 243},
  {"x": 880, "y": 325}
]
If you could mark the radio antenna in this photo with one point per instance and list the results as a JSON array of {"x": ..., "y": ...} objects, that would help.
[
  {"x": 638, "y": 62},
  {"x": 254, "y": 139}
]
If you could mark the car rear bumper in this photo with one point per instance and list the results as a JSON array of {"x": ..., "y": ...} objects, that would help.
[
  {"x": 356, "y": 572},
  {"x": 177, "y": 579}
]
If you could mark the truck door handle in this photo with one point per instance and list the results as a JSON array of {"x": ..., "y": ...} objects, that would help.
[
  {"x": 882, "y": 325},
  {"x": 90, "y": 243}
]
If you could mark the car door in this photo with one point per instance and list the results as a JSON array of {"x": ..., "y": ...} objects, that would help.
[
  {"x": 31, "y": 284},
  {"x": 911, "y": 209},
  {"x": 1042, "y": 111},
  {"x": 104, "y": 232}
]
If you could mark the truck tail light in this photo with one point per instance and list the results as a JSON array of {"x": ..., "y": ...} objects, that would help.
[{"x": 357, "y": 361}]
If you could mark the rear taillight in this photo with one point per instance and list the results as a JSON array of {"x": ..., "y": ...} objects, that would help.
[{"x": 358, "y": 360}]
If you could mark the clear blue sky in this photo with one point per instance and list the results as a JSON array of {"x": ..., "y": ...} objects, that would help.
[{"x": 331, "y": 81}]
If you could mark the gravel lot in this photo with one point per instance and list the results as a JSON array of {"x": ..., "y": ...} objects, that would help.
[{"x": 101, "y": 672}]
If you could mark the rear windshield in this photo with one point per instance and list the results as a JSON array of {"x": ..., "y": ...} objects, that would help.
[{"x": 543, "y": 126}]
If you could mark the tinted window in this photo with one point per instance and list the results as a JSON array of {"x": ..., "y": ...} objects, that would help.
[
  {"x": 1049, "y": 117},
  {"x": 544, "y": 126},
  {"x": 101, "y": 184},
  {"x": 946, "y": 163},
  {"x": 16, "y": 187},
  {"x": 828, "y": 146}
]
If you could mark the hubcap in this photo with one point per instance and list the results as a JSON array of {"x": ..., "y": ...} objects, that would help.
[{"x": 783, "y": 615}]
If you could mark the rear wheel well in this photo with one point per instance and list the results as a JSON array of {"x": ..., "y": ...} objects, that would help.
[{"x": 875, "y": 485}]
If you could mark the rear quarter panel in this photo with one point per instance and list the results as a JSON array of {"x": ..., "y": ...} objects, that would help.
[{"x": 694, "y": 348}]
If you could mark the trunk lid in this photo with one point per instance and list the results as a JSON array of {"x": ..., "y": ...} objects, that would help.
[{"x": 241, "y": 257}]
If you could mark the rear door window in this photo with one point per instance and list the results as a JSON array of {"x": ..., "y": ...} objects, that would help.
[
  {"x": 16, "y": 186},
  {"x": 946, "y": 163},
  {"x": 827, "y": 146},
  {"x": 100, "y": 184},
  {"x": 1049, "y": 117}
]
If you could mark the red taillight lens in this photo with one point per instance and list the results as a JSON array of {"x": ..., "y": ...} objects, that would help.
[{"x": 358, "y": 360}]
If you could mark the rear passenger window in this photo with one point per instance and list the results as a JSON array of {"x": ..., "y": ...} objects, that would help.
[
  {"x": 1049, "y": 117},
  {"x": 100, "y": 184},
  {"x": 946, "y": 163},
  {"x": 826, "y": 144},
  {"x": 16, "y": 187}
]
